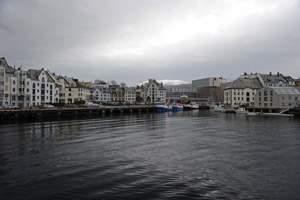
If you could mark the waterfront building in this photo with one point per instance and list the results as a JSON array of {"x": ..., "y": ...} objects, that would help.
[
  {"x": 277, "y": 98},
  {"x": 242, "y": 91},
  {"x": 130, "y": 94},
  {"x": 211, "y": 93},
  {"x": 152, "y": 91},
  {"x": 73, "y": 91},
  {"x": 206, "y": 82},
  {"x": 273, "y": 80},
  {"x": 177, "y": 91},
  {"x": 101, "y": 93},
  {"x": 297, "y": 83},
  {"x": 117, "y": 93},
  {"x": 41, "y": 87},
  {"x": 6, "y": 72}
]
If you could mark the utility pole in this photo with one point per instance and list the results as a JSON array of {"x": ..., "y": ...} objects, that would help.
[{"x": 221, "y": 90}]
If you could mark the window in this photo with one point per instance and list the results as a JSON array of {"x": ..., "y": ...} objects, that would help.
[
  {"x": 259, "y": 93},
  {"x": 33, "y": 85},
  {"x": 265, "y": 98},
  {"x": 14, "y": 82},
  {"x": 271, "y": 93},
  {"x": 13, "y": 97},
  {"x": 43, "y": 79},
  {"x": 265, "y": 93},
  {"x": 14, "y": 89},
  {"x": 27, "y": 98}
]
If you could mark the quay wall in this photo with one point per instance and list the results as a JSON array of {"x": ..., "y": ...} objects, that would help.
[{"x": 70, "y": 112}]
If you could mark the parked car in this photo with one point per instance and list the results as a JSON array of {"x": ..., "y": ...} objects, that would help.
[
  {"x": 10, "y": 107},
  {"x": 70, "y": 106},
  {"x": 48, "y": 106}
]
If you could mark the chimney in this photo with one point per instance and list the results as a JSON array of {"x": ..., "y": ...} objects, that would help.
[
  {"x": 277, "y": 73},
  {"x": 270, "y": 73}
]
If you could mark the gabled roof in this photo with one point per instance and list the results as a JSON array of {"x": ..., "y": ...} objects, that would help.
[
  {"x": 153, "y": 81},
  {"x": 34, "y": 74},
  {"x": 267, "y": 78},
  {"x": 287, "y": 91},
  {"x": 130, "y": 89},
  {"x": 242, "y": 83},
  {"x": 289, "y": 78},
  {"x": 8, "y": 69}
]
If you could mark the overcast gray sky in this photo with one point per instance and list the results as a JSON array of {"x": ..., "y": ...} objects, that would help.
[{"x": 133, "y": 40}]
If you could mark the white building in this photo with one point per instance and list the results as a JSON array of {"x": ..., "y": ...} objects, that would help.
[
  {"x": 153, "y": 91},
  {"x": 42, "y": 86},
  {"x": 130, "y": 94},
  {"x": 205, "y": 82},
  {"x": 241, "y": 92},
  {"x": 101, "y": 93},
  {"x": 5, "y": 82}
]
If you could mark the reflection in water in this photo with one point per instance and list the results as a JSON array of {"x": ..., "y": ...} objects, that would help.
[{"x": 176, "y": 155}]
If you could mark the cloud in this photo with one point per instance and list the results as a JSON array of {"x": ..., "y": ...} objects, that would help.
[{"x": 134, "y": 40}]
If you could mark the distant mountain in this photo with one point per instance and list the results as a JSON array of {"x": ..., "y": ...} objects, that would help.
[{"x": 173, "y": 82}]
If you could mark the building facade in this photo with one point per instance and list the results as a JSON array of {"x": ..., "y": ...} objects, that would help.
[
  {"x": 153, "y": 91},
  {"x": 211, "y": 93},
  {"x": 206, "y": 82},
  {"x": 130, "y": 95},
  {"x": 277, "y": 98},
  {"x": 241, "y": 92},
  {"x": 177, "y": 91},
  {"x": 100, "y": 94}
]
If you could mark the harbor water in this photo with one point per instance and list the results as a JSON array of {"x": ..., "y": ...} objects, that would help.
[{"x": 179, "y": 155}]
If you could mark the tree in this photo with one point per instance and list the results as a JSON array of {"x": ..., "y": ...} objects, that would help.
[
  {"x": 123, "y": 85},
  {"x": 113, "y": 82},
  {"x": 139, "y": 99}
]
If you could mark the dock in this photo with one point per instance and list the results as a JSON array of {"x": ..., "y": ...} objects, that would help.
[
  {"x": 295, "y": 112},
  {"x": 70, "y": 112}
]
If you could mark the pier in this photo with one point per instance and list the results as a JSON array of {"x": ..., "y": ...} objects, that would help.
[
  {"x": 295, "y": 112},
  {"x": 70, "y": 112}
]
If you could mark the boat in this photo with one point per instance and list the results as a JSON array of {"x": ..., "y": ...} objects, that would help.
[
  {"x": 241, "y": 111},
  {"x": 161, "y": 107},
  {"x": 222, "y": 109},
  {"x": 177, "y": 107},
  {"x": 219, "y": 108},
  {"x": 191, "y": 106}
]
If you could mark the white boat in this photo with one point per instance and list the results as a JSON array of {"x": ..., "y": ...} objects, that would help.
[
  {"x": 241, "y": 111},
  {"x": 191, "y": 106},
  {"x": 219, "y": 108}
]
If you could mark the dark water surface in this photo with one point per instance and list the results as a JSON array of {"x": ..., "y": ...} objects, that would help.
[{"x": 189, "y": 155}]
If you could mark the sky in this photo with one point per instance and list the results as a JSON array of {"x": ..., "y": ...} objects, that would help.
[{"x": 133, "y": 40}]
